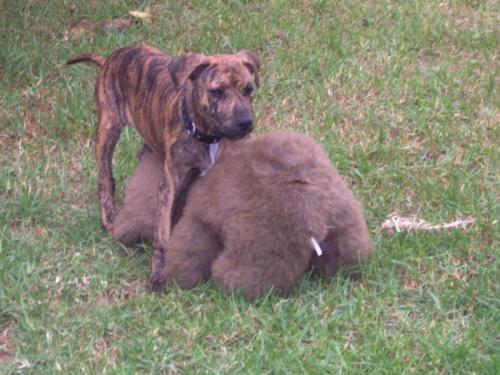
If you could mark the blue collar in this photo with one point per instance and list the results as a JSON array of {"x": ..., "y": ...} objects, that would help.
[{"x": 191, "y": 127}]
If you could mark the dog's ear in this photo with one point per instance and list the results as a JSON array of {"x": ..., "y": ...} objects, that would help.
[
  {"x": 252, "y": 62},
  {"x": 196, "y": 72},
  {"x": 187, "y": 66}
]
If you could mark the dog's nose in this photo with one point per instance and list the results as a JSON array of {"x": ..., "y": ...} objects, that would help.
[{"x": 244, "y": 123}]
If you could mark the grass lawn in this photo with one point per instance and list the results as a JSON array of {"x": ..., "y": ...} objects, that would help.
[{"x": 403, "y": 95}]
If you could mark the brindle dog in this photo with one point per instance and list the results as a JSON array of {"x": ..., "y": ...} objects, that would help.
[{"x": 182, "y": 107}]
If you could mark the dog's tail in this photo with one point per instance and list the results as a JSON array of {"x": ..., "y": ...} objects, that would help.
[{"x": 88, "y": 57}]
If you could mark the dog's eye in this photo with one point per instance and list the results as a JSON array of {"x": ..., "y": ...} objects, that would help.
[
  {"x": 247, "y": 91},
  {"x": 217, "y": 92}
]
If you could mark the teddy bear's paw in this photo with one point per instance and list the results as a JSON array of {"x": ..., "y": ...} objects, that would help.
[{"x": 157, "y": 282}]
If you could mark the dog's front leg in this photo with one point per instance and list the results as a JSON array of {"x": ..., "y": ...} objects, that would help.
[{"x": 163, "y": 228}]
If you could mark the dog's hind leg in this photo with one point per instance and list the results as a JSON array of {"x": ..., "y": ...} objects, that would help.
[{"x": 108, "y": 133}]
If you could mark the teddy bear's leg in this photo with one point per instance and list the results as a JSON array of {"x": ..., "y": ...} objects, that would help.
[
  {"x": 256, "y": 269},
  {"x": 191, "y": 251},
  {"x": 349, "y": 245},
  {"x": 136, "y": 220}
]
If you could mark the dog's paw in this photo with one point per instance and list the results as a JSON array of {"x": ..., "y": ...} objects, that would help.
[
  {"x": 108, "y": 214},
  {"x": 107, "y": 224},
  {"x": 157, "y": 282}
]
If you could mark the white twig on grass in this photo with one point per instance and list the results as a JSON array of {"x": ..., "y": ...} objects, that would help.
[{"x": 401, "y": 223}]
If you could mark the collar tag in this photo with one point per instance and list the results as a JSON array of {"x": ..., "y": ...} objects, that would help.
[{"x": 191, "y": 128}]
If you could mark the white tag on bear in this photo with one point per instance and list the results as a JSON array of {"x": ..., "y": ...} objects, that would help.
[{"x": 316, "y": 246}]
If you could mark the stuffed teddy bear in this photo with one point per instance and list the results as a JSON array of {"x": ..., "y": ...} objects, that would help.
[{"x": 271, "y": 207}]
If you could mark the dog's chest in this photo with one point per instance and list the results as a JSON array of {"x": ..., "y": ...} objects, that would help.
[
  {"x": 191, "y": 154},
  {"x": 213, "y": 149}
]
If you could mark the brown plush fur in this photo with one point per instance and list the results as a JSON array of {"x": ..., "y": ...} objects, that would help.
[
  {"x": 250, "y": 220},
  {"x": 135, "y": 222}
]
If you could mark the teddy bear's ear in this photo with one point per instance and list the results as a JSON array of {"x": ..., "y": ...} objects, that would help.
[
  {"x": 251, "y": 61},
  {"x": 187, "y": 66}
]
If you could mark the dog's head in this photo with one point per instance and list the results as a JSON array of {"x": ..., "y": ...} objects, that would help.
[{"x": 223, "y": 90}]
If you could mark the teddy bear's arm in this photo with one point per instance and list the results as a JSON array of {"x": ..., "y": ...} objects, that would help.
[{"x": 192, "y": 249}]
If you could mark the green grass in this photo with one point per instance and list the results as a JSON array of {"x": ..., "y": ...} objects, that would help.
[{"x": 403, "y": 95}]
